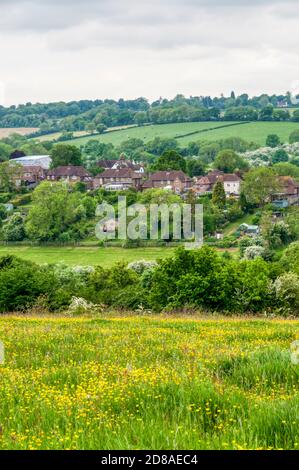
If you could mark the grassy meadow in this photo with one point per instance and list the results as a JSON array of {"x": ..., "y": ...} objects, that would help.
[
  {"x": 194, "y": 131},
  {"x": 148, "y": 382},
  {"x": 149, "y": 132},
  {"x": 106, "y": 257},
  {"x": 253, "y": 131}
]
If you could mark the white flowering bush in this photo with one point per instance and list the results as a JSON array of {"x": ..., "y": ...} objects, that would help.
[
  {"x": 254, "y": 251},
  {"x": 79, "y": 306},
  {"x": 142, "y": 265},
  {"x": 286, "y": 290},
  {"x": 263, "y": 155},
  {"x": 75, "y": 275}
]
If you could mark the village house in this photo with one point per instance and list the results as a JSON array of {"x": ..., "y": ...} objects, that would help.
[
  {"x": 205, "y": 184},
  {"x": 202, "y": 185},
  {"x": 31, "y": 175},
  {"x": 175, "y": 181},
  {"x": 231, "y": 183},
  {"x": 119, "y": 164},
  {"x": 118, "y": 180},
  {"x": 288, "y": 193},
  {"x": 71, "y": 174}
]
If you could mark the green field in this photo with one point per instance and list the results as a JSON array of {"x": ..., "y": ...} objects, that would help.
[
  {"x": 147, "y": 133},
  {"x": 253, "y": 131},
  {"x": 84, "y": 255},
  {"x": 148, "y": 382}
]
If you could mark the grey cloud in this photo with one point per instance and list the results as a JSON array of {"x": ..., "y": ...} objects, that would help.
[
  {"x": 43, "y": 15},
  {"x": 146, "y": 47}
]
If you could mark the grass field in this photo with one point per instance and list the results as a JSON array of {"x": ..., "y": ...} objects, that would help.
[
  {"x": 137, "y": 382},
  {"x": 7, "y": 131},
  {"x": 147, "y": 133},
  {"x": 55, "y": 135},
  {"x": 253, "y": 131},
  {"x": 84, "y": 255}
]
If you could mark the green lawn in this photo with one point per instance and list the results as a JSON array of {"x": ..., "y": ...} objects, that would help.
[
  {"x": 85, "y": 255},
  {"x": 254, "y": 131}
]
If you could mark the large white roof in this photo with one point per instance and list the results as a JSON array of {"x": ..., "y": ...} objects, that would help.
[{"x": 42, "y": 160}]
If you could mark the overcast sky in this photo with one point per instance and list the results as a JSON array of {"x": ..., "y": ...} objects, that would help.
[{"x": 54, "y": 50}]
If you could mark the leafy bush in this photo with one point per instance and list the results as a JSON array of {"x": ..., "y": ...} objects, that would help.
[
  {"x": 286, "y": 288},
  {"x": 21, "y": 284},
  {"x": 290, "y": 258},
  {"x": 279, "y": 234},
  {"x": 4, "y": 197},
  {"x": 246, "y": 241},
  {"x": 254, "y": 251},
  {"x": 109, "y": 286},
  {"x": 14, "y": 229},
  {"x": 198, "y": 278},
  {"x": 142, "y": 265},
  {"x": 3, "y": 212},
  {"x": 251, "y": 292}
]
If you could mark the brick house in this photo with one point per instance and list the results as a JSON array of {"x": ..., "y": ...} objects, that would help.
[
  {"x": 71, "y": 174},
  {"x": 120, "y": 164},
  {"x": 176, "y": 181},
  {"x": 117, "y": 180},
  {"x": 32, "y": 175},
  {"x": 205, "y": 184},
  {"x": 231, "y": 183},
  {"x": 288, "y": 194},
  {"x": 29, "y": 175}
]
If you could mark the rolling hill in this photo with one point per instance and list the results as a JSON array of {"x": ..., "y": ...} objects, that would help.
[{"x": 194, "y": 131}]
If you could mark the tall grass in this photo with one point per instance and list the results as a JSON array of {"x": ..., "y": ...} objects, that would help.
[{"x": 147, "y": 382}]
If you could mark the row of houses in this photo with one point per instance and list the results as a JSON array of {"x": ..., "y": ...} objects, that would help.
[{"x": 122, "y": 174}]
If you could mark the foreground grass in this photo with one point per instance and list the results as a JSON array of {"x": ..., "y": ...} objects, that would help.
[
  {"x": 151, "y": 382},
  {"x": 85, "y": 255}
]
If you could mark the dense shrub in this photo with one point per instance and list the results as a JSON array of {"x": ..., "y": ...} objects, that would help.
[
  {"x": 290, "y": 258},
  {"x": 21, "y": 284},
  {"x": 142, "y": 265},
  {"x": 116, "y": 286},
  {"x": 14, "y": 229},
  {"x": 286, "y": 289},
  {"x": 252, "y": 286},
  {"x": 253, "y": 251},
  {"x": 196, "y": 278}
]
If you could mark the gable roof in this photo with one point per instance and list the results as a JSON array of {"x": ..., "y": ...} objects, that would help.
[
  {"x": 119, "y": 173},
  {"x": 168, "y": 176},
  {"x": 65, "y": 171},
  {"x": 203, "y": 180},
  {"x": 106, "y": 163},
  {"x": 229, "y": 177}
]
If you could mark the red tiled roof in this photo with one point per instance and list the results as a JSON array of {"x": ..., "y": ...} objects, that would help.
[
  {"x": 168, "y": 176},
  {"x": 64, "y": 171},
  {"x": 229, "y": 177},
  {"x": 120, "y": 173},
  {"x": 106, "y": 163},
  {"x": 204, "y": 180}
]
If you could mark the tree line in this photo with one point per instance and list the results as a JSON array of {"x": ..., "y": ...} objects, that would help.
[{"x": 96, "y": 115}]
